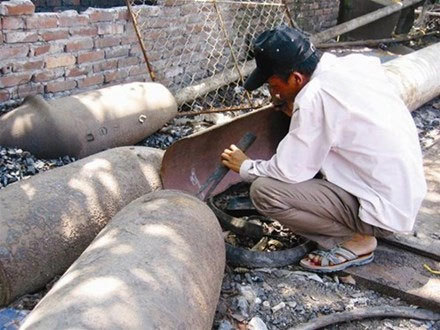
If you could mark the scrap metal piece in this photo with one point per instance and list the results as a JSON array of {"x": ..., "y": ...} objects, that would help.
[{"x": 188, "y": 163}]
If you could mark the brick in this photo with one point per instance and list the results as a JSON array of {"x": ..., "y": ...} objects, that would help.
[
  {"x": 91, "y": 81},
  {"x": 12, "y": 23},
  {"x": 72, "y": 18},
  {"x": 107, "y": 41},
  {"x": 76, "y": 72},
  {"x": 18, "y": 37},
  {"x": 79, "y": 44},
  {"x": 122, "y": 14},
  {"x": 90, "y": 56},
  {"x": 47, "y": 75},
  {"x": 117, "y": 52},
  {"x": 115, "y": 75},
  {"x": 42, "y": 21},
  {"x": 138, "y": 70},
  {"x": 111, "y": 64},
  {"x": 56, "y": 47},
  {"x": 100, "y": 15},
  {"x": 110, "y": 28},
  {"x": 15, "y": 79},
  {"x": 59, "y": 61},
  {"x": 60, "y": 86},
  {"x": 5, "y": 95},
  {"x": 16, "y": 8},
  {"x": 8, "y": 52},
  {"x": 130, "y": 39},
  {"x": 40, "y": 50},
  {"x": 55, "y": 35},
  {"x": 128, "y": 61},
  {"x": 30, "y": 89},
  {"x": 136, "y": 79},
  {"x": 27, "y": 65},
  {"x": 91, "y": 31}
]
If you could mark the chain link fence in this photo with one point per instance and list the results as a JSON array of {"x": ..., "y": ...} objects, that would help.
[{"x": 201, "y": 49}]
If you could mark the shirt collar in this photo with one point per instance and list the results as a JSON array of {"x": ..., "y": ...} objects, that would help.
[{"x": 327, "y": 60}]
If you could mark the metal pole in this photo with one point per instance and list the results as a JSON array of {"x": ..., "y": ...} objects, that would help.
[
  {"x": 141, "y": 41},
  {"x": 222, "y": 23}
]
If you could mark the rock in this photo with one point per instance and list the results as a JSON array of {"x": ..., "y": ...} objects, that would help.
[
  {"x": 278, "y": 307},
  {"x": 248, "y": 293},
  {"x": 243, "y": 306},
  {"x": 225, "y": 325},
  {"x": 347, "y": 280},
  {"x": 310, "y": 276},
  {"x": 257, "y": 324},
  {"x": 292, "y": 304},
  {"x": 267, "y": 287}
]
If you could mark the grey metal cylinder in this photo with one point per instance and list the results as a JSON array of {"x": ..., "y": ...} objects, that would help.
[
  {"x": 84, "y": 124},
  {"x": 47, "y": 221},
  {"x": 416, "y": 76},
  {"x": 158, "y": 264}
]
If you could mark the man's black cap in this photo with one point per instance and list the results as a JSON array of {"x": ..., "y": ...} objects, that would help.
[{"x": 278, "y": 51}]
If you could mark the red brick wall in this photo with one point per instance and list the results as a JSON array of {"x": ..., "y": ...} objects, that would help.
[
  {"x": 63, "y": 53},
  {"x": 57, "y": 54}
]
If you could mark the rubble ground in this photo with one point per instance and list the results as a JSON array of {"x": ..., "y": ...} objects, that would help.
[{"x": 286, "y": 297}]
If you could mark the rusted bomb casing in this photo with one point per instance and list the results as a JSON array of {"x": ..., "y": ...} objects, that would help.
[
  {"x": 158, "y": 264},
  {"x": 47, "y": 221},
  {"x": 87, "y": 123},
  {"x": 416, "y": 76}
]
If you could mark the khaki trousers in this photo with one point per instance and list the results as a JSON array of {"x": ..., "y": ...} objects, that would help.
[{"x": 316, "y": 209}]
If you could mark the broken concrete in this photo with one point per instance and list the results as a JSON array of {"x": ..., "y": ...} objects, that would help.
[
  {"x": 158, "y": 264},
  {"x": 88, "y": 123},
  {"x": 47, "y": 221}
]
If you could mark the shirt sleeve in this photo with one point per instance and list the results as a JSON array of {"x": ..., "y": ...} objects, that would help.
[{"x": 300, "y": 154}]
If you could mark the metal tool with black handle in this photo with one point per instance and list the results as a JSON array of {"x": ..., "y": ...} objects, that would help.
[{"x": 221, "y": 170}]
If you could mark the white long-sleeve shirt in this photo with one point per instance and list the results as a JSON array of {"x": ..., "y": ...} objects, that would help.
[{"x": 351, "y": 124}]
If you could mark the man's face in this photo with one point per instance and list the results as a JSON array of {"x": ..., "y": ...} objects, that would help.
[{"x": 284, "y": 92}]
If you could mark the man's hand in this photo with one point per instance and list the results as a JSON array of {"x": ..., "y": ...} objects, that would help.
[{"x": 233, "y": 158}]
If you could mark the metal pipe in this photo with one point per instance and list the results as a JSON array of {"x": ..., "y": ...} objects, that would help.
[{"x": 361, "y": 21}]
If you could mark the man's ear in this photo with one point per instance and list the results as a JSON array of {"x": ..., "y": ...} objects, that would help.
[{"x": 299, "y": 78}]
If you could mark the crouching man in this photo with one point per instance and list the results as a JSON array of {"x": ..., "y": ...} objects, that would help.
[{"x": 350, "y": 125}]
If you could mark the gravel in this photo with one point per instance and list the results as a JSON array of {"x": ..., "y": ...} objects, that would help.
[{"x": 286, "y": 297}]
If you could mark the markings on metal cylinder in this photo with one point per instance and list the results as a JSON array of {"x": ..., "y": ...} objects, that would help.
[
  {"x": 90, "y": 137},
  {"x": 103, "y": 130},
  {"x": 142, "y": 118}
]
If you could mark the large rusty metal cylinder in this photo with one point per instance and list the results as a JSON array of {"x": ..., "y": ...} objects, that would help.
[
  {"x": 84, "y": 124},
  {"x": 158, "y": 264},
  {"x": 416, "y": 76},
  {"x": 47, "y": 221}
]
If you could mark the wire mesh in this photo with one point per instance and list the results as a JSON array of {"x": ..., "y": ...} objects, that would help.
[{"x": 201, "y": 49}]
